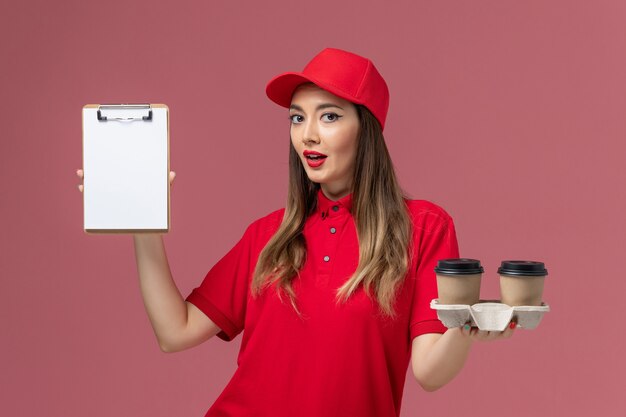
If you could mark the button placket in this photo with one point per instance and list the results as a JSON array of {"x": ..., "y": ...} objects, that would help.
[
  {"x": 330, "y": 254},
  {"x": 332, "y": 230}
]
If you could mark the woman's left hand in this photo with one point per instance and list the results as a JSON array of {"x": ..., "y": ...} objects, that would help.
[{"x": 486, "y": 336}]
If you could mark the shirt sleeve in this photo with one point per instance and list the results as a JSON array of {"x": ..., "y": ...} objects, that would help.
[
  {"x": 223, "y": 293},
  {"x": 438, "y": 242}
]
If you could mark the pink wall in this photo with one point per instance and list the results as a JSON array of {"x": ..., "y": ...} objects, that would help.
[{"x": 509, "y": 114}]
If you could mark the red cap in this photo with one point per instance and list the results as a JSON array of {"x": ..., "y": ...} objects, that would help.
[{"x": 347, "y": 75}]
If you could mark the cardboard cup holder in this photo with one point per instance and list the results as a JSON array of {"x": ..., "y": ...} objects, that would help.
[{"x": 490, "y": 315}]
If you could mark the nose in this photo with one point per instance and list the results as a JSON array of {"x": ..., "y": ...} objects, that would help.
[{"x": 309, "y": 132}]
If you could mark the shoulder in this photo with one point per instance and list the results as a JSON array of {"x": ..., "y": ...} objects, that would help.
[{"x": 427, "y": 215}]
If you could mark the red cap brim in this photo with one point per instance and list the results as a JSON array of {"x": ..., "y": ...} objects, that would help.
[{"x": 280, "y": 88}]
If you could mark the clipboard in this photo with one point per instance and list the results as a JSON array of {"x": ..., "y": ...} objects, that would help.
[{"x": 126, "y": 165}]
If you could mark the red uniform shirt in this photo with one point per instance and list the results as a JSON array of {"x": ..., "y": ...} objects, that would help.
[{"x": 340, "y": 360}]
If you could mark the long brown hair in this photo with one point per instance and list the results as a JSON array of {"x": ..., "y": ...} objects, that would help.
[{"x": 381, "y": 218}]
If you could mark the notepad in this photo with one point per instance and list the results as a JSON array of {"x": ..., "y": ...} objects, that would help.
[{"x": 126, "y": 168}]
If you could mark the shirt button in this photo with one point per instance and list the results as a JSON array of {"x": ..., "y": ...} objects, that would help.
[
  {"x": 335, "y": 208},
  {"x": 333, "y": 230},
  {"x": 326, "y": 258}
]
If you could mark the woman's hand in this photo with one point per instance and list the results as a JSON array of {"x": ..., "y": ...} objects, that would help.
[
  {"x": 437, "y": 358},
  {"x": 80, "y": 174},
  {"x": 486, "y": 336}
]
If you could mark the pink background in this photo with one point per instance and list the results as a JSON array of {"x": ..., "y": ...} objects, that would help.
[{"x": 509, "y": 114}]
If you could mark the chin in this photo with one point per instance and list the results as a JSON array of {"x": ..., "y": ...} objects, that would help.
[
  {"x": 317, "y": 176},
  {"x": 313, "y": 176},
  {"x": 316, "y": 180}
]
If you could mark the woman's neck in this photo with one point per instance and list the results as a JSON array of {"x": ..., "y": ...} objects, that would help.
[{"x": 335, "y": 194}]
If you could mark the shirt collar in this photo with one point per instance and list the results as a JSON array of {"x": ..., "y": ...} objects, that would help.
[{"x": 325, "y": 204}]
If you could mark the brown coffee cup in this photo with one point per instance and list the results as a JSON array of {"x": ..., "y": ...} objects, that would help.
[
  {"x": 521, "y": 282},
  {"x": 458, "y": 280}
]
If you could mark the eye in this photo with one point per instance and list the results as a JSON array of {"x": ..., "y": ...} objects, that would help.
[
  {"x": 331, "y": 117},
  {"x": 295, "y": 118}
]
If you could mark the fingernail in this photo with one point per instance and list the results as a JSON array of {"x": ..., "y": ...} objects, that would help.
[{"x": 512, "y": 325}]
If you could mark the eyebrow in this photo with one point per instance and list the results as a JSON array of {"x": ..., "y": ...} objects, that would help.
[{"x": 320, "y": 107}]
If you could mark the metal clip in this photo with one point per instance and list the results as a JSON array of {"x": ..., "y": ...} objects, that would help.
[{"x": 147, "y": 118}]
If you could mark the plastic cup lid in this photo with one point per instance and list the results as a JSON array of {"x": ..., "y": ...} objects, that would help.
[
  {"x": 523, "y": 268},
  {"x": 459, "y": 266}
]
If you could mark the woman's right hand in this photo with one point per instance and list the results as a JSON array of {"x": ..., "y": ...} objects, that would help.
[{"x": 79, "y": 173}]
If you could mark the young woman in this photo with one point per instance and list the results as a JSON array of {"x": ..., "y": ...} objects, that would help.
[{"x": 332, "y": 292}]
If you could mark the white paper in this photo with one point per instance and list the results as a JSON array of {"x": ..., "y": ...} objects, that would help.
[{"x": 126, "y": 170}]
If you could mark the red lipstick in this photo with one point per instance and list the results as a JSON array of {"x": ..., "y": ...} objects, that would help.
[{"x": 314, "y": 159}]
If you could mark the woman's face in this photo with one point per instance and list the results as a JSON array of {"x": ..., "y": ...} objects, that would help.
[{"x": 322, "y": 123}]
